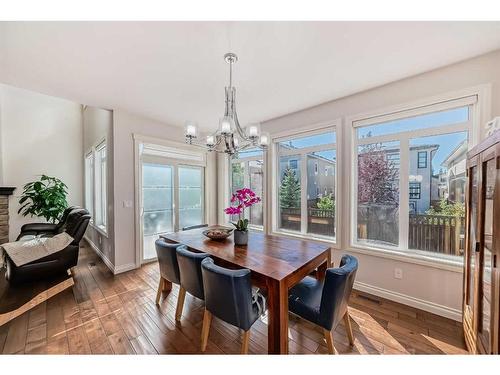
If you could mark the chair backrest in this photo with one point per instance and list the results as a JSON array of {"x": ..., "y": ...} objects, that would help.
[
  {"x": 64, "y": 217},
  {"x": 167, "y": 260},
  {"x": 76, "y": 224},
  {"x": 190, "y": 271},
  {"x": 336, "y": 291},
  {"x": 195, "y": 227},
  {"x": 228, "y": 294}
]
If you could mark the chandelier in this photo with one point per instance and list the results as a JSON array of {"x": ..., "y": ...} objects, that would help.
[{"x": 230, "y": 137}]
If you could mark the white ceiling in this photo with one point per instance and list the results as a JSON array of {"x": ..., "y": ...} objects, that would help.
[{"x": 174, "y": 71}]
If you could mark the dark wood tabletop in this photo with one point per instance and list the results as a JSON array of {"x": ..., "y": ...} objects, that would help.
[{"x": 277, "y": 264}]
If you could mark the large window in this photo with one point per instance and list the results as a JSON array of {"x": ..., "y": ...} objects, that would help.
[
  {"x": 410, "y": 179},
  {"x": 247, "y": 171},
  {"x": 89, "y": 183},
  {"x": 96, "y": 185},
  {"x": 100, "y": 186},
  {"x": 306, "y": 184}
]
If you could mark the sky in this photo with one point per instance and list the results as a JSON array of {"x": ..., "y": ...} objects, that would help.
[{"x": 447, "y": 142}]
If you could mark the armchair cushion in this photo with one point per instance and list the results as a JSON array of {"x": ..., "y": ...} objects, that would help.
[{"x": 38, "y": 227}]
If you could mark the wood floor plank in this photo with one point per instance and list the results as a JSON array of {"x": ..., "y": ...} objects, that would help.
[
  {"x": 16, "y": 335},
  {"x": 104, "y": 313}
]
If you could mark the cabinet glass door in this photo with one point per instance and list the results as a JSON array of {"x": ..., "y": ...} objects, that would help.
[
  {"x": 486, "y": 269},
  {"x": 474, "y": 190}
]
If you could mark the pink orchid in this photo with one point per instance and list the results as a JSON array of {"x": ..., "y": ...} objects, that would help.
[{"x": 244, "y": 198}]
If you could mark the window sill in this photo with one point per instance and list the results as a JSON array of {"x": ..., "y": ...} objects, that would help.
[
  {"x": 100, "y": 229},
  {"x": 412, "y": 256},
  {"x": 329, "y": 241}
]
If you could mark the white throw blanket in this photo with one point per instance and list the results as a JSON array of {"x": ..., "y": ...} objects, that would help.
[{"x": 23, "y": 252}]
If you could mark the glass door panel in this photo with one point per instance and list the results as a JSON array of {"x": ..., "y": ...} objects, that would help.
[
  {"x": 190, "y": 196},
  {"x": 485, "y": 303},
  {"x": 157, "y": 204},
  {"x": 474, "y": 188}
]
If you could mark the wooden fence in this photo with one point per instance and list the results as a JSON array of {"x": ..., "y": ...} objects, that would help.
[{"x": 434, "y": 233}]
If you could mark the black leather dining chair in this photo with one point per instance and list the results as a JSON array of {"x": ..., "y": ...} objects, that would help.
[
  {"x": 229, "y": 297},
  {"x": 195, "y": 227},
  {"x": 169, "y": 267},
  {"x": 190, "y": 276},
  {"x": 324, "y": 302}
]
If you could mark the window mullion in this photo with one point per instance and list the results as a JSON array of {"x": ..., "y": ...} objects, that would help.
[
  {"x": 404, "y": 187},
  {"x": 303, "y": 194},
  {"x": 246, "y": 183}
]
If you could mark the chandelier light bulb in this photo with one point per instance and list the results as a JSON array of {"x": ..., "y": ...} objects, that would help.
[
  {"x": 191, "y": 130},
  {"x": 210, "y": 140},
  {"x": 225, "y": 125},
  {"x": 264, "y": 140},
  {"x": 253, "y": 131}
]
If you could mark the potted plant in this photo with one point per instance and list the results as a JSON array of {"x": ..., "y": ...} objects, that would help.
[
  {"x": 44, "y": 198},
  {"x": 240, "y": 200}
]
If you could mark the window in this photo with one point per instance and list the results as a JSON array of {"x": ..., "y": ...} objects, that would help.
[
  {"x": 100, "y": 186},
  {"x": 406, "y": 164},
  {"x": 89, "y": 183},
  {"x": 422, "y": 159},
  {"x": 301, "y": 205},
  {"x": 247, "y": 171},
  {"x": 96, "y": 185},
  {"x": 415, "y": 190}
]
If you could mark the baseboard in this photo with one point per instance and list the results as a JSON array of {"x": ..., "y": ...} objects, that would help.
[
  {"x": 124, "y": 268},
  {"x": 404, "y": 299},
  {"x": 104, "y": 258},
  {"x": 107, "y": 262}
]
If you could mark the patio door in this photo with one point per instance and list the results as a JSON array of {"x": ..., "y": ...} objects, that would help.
[
  {"x": 157, "y": 204},
  {"x": 171, "y": 198}
]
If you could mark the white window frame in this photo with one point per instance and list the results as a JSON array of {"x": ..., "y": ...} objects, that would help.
[
  {"x": 92, "y": 152},
  {"x": 102, "y": 204},
  {"x": 404, "y": 143},
  {"x": 89, "y": 173},
  {"x": 246, "y": 183},
  {"x": 333, "y": 126}
]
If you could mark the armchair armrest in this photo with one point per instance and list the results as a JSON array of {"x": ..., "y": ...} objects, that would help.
[{"x": 38, "y": 227}]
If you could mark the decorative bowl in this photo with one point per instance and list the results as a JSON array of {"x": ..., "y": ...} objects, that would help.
[{"x": 218, "y": 233}]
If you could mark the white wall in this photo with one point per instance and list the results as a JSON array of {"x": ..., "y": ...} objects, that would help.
[
  {"x": 125, "y": 125},
  {"x": 435, "y": 289},
  {"x": 97, "y": 126},
  {"x": 40, "y": 134}
]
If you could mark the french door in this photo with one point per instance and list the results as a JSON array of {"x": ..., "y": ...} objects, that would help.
[{"x": 172, "y": 197}]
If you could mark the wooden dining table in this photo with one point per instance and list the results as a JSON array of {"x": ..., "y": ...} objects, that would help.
[{"x": 276, "y": 264}]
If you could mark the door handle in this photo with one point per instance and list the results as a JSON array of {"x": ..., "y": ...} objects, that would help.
[{"x": 477, "y": 246}]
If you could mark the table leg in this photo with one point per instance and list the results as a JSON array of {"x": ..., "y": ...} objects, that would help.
[
  {"x": 323, "y": 267},
  {"x": 277, "y": 337}
]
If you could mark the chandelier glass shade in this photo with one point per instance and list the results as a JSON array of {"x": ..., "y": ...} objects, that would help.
[{"x": 230, "y": 137}]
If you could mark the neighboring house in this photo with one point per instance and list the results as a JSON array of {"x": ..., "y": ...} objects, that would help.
[
  {"x": 320, "y": 175},
  {"x": 423, "y": 187},
  {"x": 456, "y": 173}
]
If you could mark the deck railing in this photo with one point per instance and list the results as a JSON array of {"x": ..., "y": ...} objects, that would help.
[{"x": 434, "y": 233}]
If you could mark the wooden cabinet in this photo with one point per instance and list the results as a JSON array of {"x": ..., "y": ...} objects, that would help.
[{"x": 481, "y": 264}]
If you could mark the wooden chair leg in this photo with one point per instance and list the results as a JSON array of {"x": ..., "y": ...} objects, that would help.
[
  {"x": 158, "y": 293},
  {"x": 205, "y": 330},
  {"x": 180, "y": 303},
  {"x": 348, "y": 327},
  {"x": 329, "y": 341},
  {"x": 246, "y": 340}
]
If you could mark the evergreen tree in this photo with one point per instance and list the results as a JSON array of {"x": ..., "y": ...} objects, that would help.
[{"x": 289, "y": 190}]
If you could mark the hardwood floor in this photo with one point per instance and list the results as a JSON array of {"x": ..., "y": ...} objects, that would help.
[{"x": 106, "y": 314}]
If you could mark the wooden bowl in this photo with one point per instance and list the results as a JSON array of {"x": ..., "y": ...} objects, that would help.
[{"x": 218, "y": 233}]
